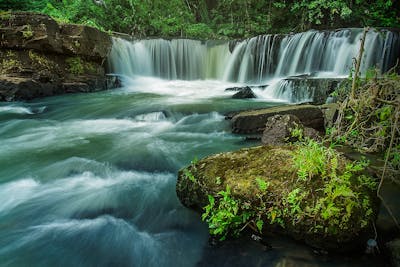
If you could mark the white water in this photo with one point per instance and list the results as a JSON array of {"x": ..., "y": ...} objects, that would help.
[
  {"x": 89, "y": 179},
  {"x": 262, "y": 60},
  {"x": 255, "y": 60}
]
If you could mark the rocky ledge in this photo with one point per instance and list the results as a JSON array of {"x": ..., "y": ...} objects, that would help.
[
  {"x": 331, "y": 208},
  {"x": 254, "y": 121},
  {"x": 39, "y": 57}
]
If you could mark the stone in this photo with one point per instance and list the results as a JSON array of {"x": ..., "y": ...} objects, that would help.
[
  {"x": 279, "y": 128},
  {"x": 244, "y": 93},
  {"x": 39, "y": 57},
  {"x": 28, "y": 30},
  {"x": 330, "y": 112},
  {"x": 394, "y": 250},
  {"x": 253, "y": 121},
  {"x": 314, "y": 90},
  {"x": 240, "y": 171}
]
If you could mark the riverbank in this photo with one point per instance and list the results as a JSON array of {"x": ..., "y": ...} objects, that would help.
[{"x": 40, "y": 57}]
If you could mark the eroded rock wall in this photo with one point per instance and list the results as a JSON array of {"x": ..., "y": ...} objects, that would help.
[{"x": 40, "y": 57}]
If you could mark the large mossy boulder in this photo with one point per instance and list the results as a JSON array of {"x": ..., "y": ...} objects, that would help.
[{"x": 310, "y": 193}]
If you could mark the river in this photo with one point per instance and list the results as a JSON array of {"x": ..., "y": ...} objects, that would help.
[{"x": 89, "y": 179}]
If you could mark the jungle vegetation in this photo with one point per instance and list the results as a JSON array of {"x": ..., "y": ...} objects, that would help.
[{"x": 214, "y": 19}]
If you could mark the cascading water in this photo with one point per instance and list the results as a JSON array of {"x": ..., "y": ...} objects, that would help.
[
  {"x": 262, "y": 60},
  {"x": 89, "y": 179},
  {"x": 258, "y": 59}
]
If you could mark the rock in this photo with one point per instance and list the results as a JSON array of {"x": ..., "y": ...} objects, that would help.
[
  {"x": 279, "y": 128},
  {"x": 330, "y": 112},
  {"x": 303, "y": 88},
  {"x": 39, "y": 57},
  {"x": 27, "y": 30},
  {"x": 242, "y": 170},
  {"x": 113, "y": 81},
  {"x": 394, "y": 249},
  {"x": 244, "y": 93},
  {"x": 253, "y": 121}
]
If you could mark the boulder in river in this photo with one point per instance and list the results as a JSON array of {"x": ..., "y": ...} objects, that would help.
[
  {"x": 253, "y": 121},
  {"x": 242, "y": 92},
  {"x": 281, "y": 129},
  {"x": 329, "y": 208}
]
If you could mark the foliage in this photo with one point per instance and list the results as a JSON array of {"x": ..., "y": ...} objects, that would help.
[
  {"x": 27, "y": 32},
  {"x": 329, "y": 196},
  {"x": 226, "y": 216},
  {"x": 40, "y": 61},
  {"x": 339, "y": 197},
  {"x": 214, "y": 19},
  {"x": 367, "y": 122},
  {"x": 75, "y": 65}
]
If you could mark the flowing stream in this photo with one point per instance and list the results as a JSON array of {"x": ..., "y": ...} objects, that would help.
[{"x": 89, "y": 179}]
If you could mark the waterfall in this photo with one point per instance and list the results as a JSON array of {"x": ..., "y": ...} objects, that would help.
[{"x": 258, "y": 59}]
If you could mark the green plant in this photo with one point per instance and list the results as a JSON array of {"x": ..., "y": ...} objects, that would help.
[
  {"x": 189, "y": 175},
  {"x": 311, "y": 159},
  {"x": 40, "y": 60},
  {"x": 27, "y": 32},
  {"x": 75, "y": 65},
  {"x": 297, "y": 133},
  {"x": 262, "y": 184},
  {"x": 340, "y": 198},
  {"x": 5, "y": 15},
  {"x": 225, "y": 216},
  {"x": 10, "y": 64}
]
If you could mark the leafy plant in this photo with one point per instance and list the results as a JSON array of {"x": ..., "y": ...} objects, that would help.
[
  {"x": 225, "y": 216},
  {"x": 75, "y": 65},
  {"x": 27, "y": 32}
]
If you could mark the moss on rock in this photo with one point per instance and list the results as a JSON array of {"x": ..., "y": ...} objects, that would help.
[{"x": 307, "y": 191}]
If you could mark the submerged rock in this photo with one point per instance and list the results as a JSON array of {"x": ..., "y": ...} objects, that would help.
[
  {"x": 321, "y": 210},
  {"x": 253, "y": 121},
  {"x": 245, "y": 92},
  {"x": 39, "y": 57}
]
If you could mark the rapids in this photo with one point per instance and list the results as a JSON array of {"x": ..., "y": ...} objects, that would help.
[{"x": 89, "y": 179}]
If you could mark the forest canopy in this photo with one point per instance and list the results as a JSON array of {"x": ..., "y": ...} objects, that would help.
[{"x": 214, "y": 19}]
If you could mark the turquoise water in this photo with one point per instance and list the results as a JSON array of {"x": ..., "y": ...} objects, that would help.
[{"x": 89, "y": 180}]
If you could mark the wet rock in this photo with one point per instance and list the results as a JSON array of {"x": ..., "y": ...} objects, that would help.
[
  {"x": 245, "y": 92},
  {"x": 240, "y": 170},
  {"x": 27, "y": 30},
  {"x": 394, "y": 249},
  {"x": 279, "y": 129},
  {"x": 314, "y": 90},
  {"x": 330, "y": 112},
  {"x": 39, "y": 57},
  {"x": 113, "y": 81},
  {"x": 253, "y": 121}
]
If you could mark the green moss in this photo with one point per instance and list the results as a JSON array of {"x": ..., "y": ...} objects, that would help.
[
  {"x": 40, "y": 60},
  {"x": 5, "y": 15},
  {"x": 27, "y": 32},
  {"x": 307, "y": 188},
  {"x": 10, "y": 63},
  {"x": 75, "y": 65},
  {"x": 78, "y": 66}
]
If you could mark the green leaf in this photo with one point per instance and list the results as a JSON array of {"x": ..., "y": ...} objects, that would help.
[{"x": 259, "y": 225}]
